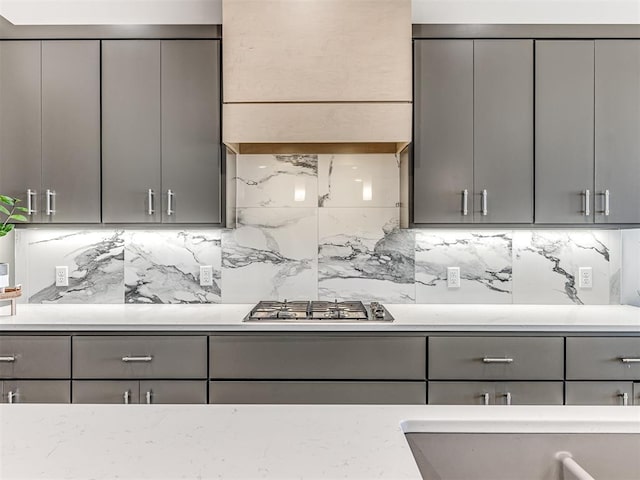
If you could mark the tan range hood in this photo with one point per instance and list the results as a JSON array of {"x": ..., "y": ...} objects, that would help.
[{"x": 316, "y": 76}]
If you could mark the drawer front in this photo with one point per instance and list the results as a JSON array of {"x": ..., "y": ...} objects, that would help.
[
  {"x": 603, "y": 358},
  {"x": 319, "y": 392},
  {"x": 106, "y": 391},
  {"x": 473, "y": 393},
  {"x": 139, "y": 357},
  {"x": 36, "y": 391},
  {"x": 317, "y": 357},
  {"x": 599, "y": 393},
  {"x": 173, "y": 391},
  {"x": 487, "y": 358},
  {"x": 636, "y": 393},
  {"x": 461, "y": 393},
  {"x": 35, "y": 357}
]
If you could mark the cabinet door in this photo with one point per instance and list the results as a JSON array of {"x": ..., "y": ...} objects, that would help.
[
  {"x": 529, "y": 393},
  {"x": 461, "y": 393},
  {"x": 191, "y": 131},
  {"x": 173, "y": 391},
  {"x": 36, "y": 391},
  {"x": 443, "y": 126},
  {"x": 503, "y": 131},
  {"x": 599, "y": 393},
  {"x": 564, "y": 132},
  {"x": 20, "y": 122},
  {"x": 131, "y": 131},
  {"x": 636, "y": 393},
  {"x": 617, "y": 130},
  {"x": 71, "y": 131},
  {"x": 317, "y": 393},
  {"x": 106, "y": 391}
]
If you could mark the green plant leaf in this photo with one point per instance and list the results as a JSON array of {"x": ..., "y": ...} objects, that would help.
[
  {"x": 22, "y": 209},
  {"x": 7, "y": 228},
  {"x": 4, "y": 210},
  {"x": 2, "y": 233},
  {"x": 7, "y": 200},
  {"x": 20, "y": 218}
]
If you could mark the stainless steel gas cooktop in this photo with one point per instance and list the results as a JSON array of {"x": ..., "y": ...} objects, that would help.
[{"x": 304, "y": 311}]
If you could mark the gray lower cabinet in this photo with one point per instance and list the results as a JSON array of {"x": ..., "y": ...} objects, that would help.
[
  {"x": 173, "y": 391},
  {"x": 603, "y": 358},
  {"x": 496, "y": 358},
  {"x": 617, "y": 143},
  {"x": 106, "y": 391},
  {"x": 50, "y": 127},
  {"x": 496, "y": 393},
  {"x": 122, "y": 357},
  {"x": 599, "y": 393},
  {"x": 145, "y": 391},
  {"x": 564, "y": 125},
  {"x": 317, "y": 357},
  {"x": 35, "y": 356},
  {"x": 317, "y": 392},
  {"x": 35, "y": 391},
  {"x": 636, "y": 393}
]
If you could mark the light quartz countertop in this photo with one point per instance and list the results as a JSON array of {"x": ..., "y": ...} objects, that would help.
[
  {"x": 250, "y": 442},
  {"x": 228, "y": 317}
]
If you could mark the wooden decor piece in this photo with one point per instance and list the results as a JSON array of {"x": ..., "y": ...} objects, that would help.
[{"x": 11, "y": 294}]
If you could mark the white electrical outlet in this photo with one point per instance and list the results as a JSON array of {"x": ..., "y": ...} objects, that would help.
[
  {"x": 453, "y": 277},
  {"x": 62, "y": 276},
  {"x": 585, "y": 277},
  {"x": 206, "y": 275}
]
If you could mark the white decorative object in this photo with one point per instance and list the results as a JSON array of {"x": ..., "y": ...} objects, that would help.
[{"x": 4, "y": 275}]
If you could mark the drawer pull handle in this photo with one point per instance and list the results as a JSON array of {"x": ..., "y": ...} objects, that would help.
[
  {"x": 507, "y": 398},
  {"x": 144, "y": 359},
  {"x": 127, "y": 397},
  {"x": 497, "y": 360},
  {"x": 8, "y": 359},
  {"x": 13, "y": 397},
  {"x": 625, "y": 398},
  {"x": 148, "y": 396},
  {"x": 630, "y": 359},
  {"x": 485, "y": 398}
]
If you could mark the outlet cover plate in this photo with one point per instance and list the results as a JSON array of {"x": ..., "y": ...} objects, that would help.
[
  {"x": 206, "y": 275},
  {"x": 585, "y": 277},
  {"x": 62, "y": 276},
  {"x": 453, "y": 277}
]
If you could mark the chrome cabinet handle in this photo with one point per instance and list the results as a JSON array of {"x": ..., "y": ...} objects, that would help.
[
  {"x": 607, "y": 203},
  {"x": 170, "y": 195},
  {"x": 485, "y": 398},
  {"x": 148, "y": 397},
  {"x": 625, "y": 398},
  {"x": 127, "y": 397},
  {"x": 144, "y": 358},
  {"x": 150, "y": 201},
  {"x": 630, "y": 359},
  {"x": 465, "y": 202},
  {"x": 50, "y": 194},
  {"x": 12, "y": 396},
  {"x": 587, "y": 203},
  {"x": 31, "y": 194},
  {"x": 507, "y": 397},
  {"x": 497, "y": 360},
  {"x": 485, "y": 209},
  {"x": 8, "y": 358}
]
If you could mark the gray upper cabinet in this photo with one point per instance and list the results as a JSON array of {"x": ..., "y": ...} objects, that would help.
[
  {"x": 473, "y": 150},
  {"x": 503, "y": 131},
  {"x": 50, "y": 128},
  {"x": 131, "y": 131},
  {"x": 564, "y": 122},
  {"x": 161, "y": 131},
  {"x": 617, "y": 129},
  {"x": 190, "y": 131},
  {"x": 443, "y": 131},
  {"x": 20, "y": 122}
]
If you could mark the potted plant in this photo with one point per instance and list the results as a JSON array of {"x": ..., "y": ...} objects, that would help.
[{"x": 9, "y": 213}]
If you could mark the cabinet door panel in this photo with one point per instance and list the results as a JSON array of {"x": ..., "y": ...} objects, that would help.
[
  {"x": 173, "y": 391},
  {"x": 529, "y": 393},
  {"x": 503, "y": 130},
  {"x": 564, "y": 131},
  {"x": 130, "y": 130},
  {"x": 618, "y": 130},
  {"x": 461, "y": 393},
  {"x": 71, "y": 129},
  {"x": 316, "y": 393},
  {"x": 599, "y": 393},
  {"x": 191, "y": 130},
  {"x": 37, "y": 391},
  {"x": 443, "y": 126},
  {"x": 106, "y": 391},
  {"x": 20, "y": 122}
]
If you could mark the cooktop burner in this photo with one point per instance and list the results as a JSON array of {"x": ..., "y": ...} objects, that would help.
[{"x": 305, "y": 311}]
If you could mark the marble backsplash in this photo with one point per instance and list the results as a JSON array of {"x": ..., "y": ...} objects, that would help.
[{"x": 326, "y": 227}]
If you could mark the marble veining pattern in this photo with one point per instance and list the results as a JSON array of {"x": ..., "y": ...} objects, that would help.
[
  {"x": 95, "y": 260},
  {"x": 546, "y": 266},
  {"x": 484, "y": 259},
  {"x": 364, "y": 255},
  {"x": 630, "y": 283},
  {"x": 164, "y": 266},
  {"x": 271, "y": 255}
]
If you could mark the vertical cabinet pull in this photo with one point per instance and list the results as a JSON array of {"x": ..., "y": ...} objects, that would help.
[
  {"x": 12, "y": 396},
  {"x": 127, "y": 397},
  {"x": 31, "y": 195},
  {"x": 50, "y": 195},
  {"x": 485, "y": 398},
  {"x": 7, "y": 358},
  {"x": 170, "y": 195},
  {"x": 485, "y": 209},
  {"x": 507, "y": 398},
  {"x": 587, "y": 203},
  {"x": 465, "y": 202},
  {"x": 150, "y": 201},
  {"x": 148, "y": 396},
  {"x": 625, "y": 398},
  {"x": 607, "y": 203}
]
